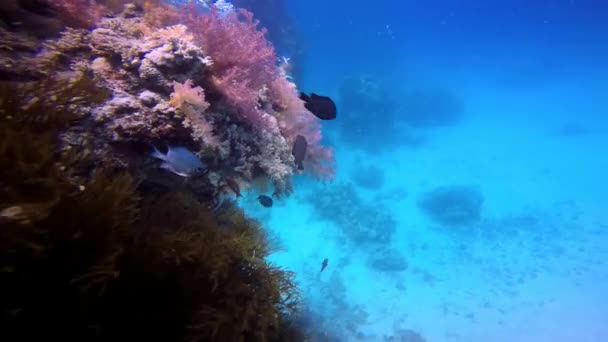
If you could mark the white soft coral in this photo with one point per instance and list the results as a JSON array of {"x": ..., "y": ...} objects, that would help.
[{"x": 190, "y": 101}]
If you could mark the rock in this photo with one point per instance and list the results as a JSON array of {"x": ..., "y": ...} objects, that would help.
[
  {"x": 149, "y": 99},
  {"x": 453, "y": 205}
]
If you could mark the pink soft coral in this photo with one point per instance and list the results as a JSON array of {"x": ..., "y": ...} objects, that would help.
[
  {"x": 294, "y": 119},
  {"x": 185, "y": 94},
  {"x": 243, "y": 59}
]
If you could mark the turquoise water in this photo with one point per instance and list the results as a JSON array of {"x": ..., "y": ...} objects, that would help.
[{"x": 528, "y": 82}]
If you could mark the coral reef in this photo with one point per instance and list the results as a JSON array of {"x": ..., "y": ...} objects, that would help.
[
  {"x": 171, "y": 84},
  {"x": 78, "y": 13},
  {"x": 453, "y": 205},
  {"x": 35, "y": 17},
  {"x": 23, "y": 25},
  {"x": 97, "y": 241},
  {"x": 362, "y": 222},
  {"x": 106, "y": 258}
]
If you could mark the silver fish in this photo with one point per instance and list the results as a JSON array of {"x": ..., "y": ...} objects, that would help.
[{"x": 179, "y": 160}]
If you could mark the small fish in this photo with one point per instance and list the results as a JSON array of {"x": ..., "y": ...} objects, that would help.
[
  {"x": 234, "y": 186},
  {"x": 179, "y": 160},
  {"x": 324, "y": 264},
  {"x": 265, "y": 201},
  {"x": 322, "y": 107},
  {"x": 299, "y": 151}
]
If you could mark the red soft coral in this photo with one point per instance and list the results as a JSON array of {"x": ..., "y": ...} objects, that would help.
[
  {"x": 294, "y": 120},
  {"x": 243, "y": 59}
]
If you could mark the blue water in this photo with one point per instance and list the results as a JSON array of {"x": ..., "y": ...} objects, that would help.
[{"x": 518, "y": 97}]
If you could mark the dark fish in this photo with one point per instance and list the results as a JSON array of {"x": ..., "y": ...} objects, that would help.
[
  {"x": 322, "y": 107},
  {"x": 299, "y": 151},
  {"x": 265, "y": 201},
  {"x": 324, "y": 264},
  {"x": 234, "y": 186}
]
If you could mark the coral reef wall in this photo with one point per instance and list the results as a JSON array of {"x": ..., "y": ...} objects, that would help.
[{"x": 98, "y": 240}]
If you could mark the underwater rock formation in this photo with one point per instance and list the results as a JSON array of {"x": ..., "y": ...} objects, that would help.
[
  {"x": 453, "y": 205},
  {"x": 104, "y": 258},
  {"x": 97, "y": 240},
  {"x": 363, "y": 223},
  {"x": 145, "y": 68}
]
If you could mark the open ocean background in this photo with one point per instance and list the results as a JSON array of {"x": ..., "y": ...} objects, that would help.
[{"x": 506, "y": 99}]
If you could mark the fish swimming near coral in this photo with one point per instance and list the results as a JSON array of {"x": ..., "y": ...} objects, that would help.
[
  {"x": 265, "y": 201},
  {"x": 299, "y": 151},
  {"x": 180, "y": 161},
  {"x": 324, "y": 264},
  {"x": 322, "y": 107}
]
